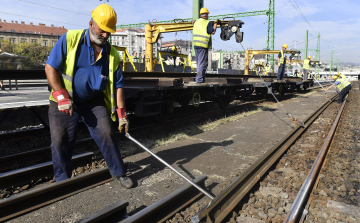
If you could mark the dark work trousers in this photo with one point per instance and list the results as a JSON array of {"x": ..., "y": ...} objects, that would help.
[
  {"x": 343, "y": 93},
  {"x": 281, "y": 72},
  {"x": 202, "y": 63},
  {"x": 63, "y": 129},
  {"x": 306, "y": 71}
]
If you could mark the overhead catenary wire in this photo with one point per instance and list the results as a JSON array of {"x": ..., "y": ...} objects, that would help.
[
  {"x": 302, "y": 15},
  {"x": 40, "y": 19},
  {"x": 54, "y": 7}
]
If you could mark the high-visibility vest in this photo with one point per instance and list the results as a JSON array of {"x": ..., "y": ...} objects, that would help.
[
  {"x": 306, "y": 64},
  {"x": 343, "y": 83},
  {"x": 298, "y": 74},
  {"x": 72, "y": 42},
  {"x": 200, "y": 35},
  {"x": 134, "y": 59},
  {"x": 268, "y": 69},
  {"x": 282, "y": 58}
]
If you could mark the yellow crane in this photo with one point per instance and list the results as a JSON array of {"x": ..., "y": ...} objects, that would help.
[{"x": 153, "y": 32}]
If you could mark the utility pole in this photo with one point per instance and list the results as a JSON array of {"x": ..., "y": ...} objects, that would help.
[
  {"x": 270, "y": 42},
  {"x": 331, "y": 61},
  {"x": 295, "y": 41},
  {"x": 306, "y": 44},
  {"x": 318, "y": 53}
]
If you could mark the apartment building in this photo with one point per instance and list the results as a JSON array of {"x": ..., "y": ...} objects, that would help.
[{"x": 29, "y": 33}]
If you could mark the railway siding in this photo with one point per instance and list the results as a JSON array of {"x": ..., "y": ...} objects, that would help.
[{"x": 337, "y": 196}]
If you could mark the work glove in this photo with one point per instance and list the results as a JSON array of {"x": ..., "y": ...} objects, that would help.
[
  {"x": 218, "y": 21},
  {"x": 123, "y": 120},
  {"x": 278, "y": 64},
  {"x": 65, "y": 104},
  {"x": 326, "y": 89}
]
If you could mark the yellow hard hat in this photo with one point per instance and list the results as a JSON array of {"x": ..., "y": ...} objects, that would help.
[
  {"x": 309, "y": 57},
  {"x": 204, "y": 11},
  {"x": 285, "y": 45},
  {"x": 339, "y": 74},
  {"x": 334, "y": 77},
  {"x": 105, "y": 16}
]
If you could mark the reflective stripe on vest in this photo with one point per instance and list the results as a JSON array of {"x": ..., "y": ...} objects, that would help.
[
  {"x": 343, "y": 83},
  {"x": 282, "y": 58},
  {"x": 306, "y": 64},
  {"x": 72, "y": 42},
  {"x": 200, "y": 36}
]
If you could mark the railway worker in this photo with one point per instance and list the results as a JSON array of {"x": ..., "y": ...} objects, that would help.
[
  {"x": 282, "y": 62},
  {"x": 306, "y": 68},
  {"x": 135, "y": 58},
  {"x": 83, "y": 70},
  {"x": 268, "y": 69},
  {"x": 202, "y": 31},
  {"x": 343, "y": 86}
]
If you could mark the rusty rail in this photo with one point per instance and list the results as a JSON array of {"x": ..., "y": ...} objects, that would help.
[
  {"x": 228, "y": 199},
  {"x": 298, "y": 207}
]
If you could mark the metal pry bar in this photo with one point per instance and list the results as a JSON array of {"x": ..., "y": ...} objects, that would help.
[{"x": 168, "y": 165}]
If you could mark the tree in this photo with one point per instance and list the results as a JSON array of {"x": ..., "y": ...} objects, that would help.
[{"x": 35, "y": 54}]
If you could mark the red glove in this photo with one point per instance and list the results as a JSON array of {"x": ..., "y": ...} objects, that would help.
[
  {"x": 65, "y": 104},
  {"x": 123, "y": 120}
]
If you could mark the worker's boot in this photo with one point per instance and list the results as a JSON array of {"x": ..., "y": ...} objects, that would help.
[{"x": 124, "y": 181}]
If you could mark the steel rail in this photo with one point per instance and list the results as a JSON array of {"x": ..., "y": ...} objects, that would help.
[
  {"x": 159, "y": 211},
  {"x": 228, "y": 199},
  {"x": 298, "y": 205},
  {"x": 26, "y": 175},
  {"x": 32, "y": 200},
  {"x": 41, "y": 154}
]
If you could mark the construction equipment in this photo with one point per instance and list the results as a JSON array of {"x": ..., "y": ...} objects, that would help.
[
  {"x": 296, "y": 121},
  {"x": 126, "y": 55},
  {"x": 249, "y": 54},
  {"x": 153, "y": 32},
  {"x": 168, "y": 165},
  {"x": 173, "y": 54}
]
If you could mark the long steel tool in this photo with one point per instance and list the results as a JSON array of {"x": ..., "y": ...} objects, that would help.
[
  {"x": 168, "y": 165},
  {"x": 293, "y": 119}
]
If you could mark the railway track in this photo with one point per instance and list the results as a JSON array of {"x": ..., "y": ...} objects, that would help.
[{"x": 101, "y": 180}]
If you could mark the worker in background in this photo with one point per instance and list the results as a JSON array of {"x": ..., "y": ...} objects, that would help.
[
  {"x": 143, "y": 55},
  {"x": 289, "y": 73},
  {"x": 306, "y": 68},
  {"x": 268, "y": 69},
  {"x": 202, "y": 31},
  {"x": 181, "y": 63},
  {"x": 297, "y": 74},
  {"x": 135, "y": 58},
  {"x": 83, "y": 70},
  {"x": 282, "y": 62},
  {"x": 168, "y": 61},
  {"x": 343, "y": 86}
]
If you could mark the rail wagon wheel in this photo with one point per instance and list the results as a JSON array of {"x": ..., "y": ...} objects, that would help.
[{"x": 196, "y": 99}]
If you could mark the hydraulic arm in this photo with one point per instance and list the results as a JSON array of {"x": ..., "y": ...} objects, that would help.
[{"x": 153, "y": 32}]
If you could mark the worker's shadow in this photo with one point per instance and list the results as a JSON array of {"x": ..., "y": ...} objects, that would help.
[{"x": 179, "y": 155}]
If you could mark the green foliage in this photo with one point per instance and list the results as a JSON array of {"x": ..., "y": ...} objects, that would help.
[{"x": 35, "y": 54}]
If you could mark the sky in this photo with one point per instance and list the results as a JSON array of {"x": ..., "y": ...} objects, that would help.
[{"x": 338, "y": 22}]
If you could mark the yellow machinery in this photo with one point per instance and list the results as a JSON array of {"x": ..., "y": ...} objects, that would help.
[
  {"x": 153, "y": 32},
  {"x": 173, "y": 54},
  {"x": 259, "y": 69},
  {"x": 126, "y": 55},
  {"x": 249, "y": 54}
]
